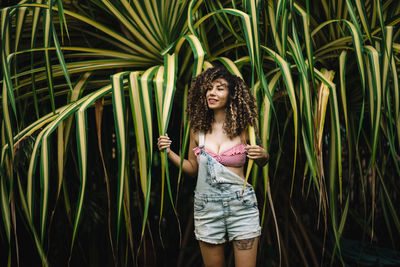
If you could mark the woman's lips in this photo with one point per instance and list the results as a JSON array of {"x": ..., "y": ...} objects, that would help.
[{"x": 212, "y": 100}]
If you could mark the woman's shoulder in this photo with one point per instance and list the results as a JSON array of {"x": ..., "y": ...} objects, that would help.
[{"x": 194, "y": 135}]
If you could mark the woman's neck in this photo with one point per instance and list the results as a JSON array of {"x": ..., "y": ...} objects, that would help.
[{"x": 219, "y": 116}]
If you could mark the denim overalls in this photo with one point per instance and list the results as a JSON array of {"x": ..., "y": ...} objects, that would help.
[{"x": 221, "y": 212}]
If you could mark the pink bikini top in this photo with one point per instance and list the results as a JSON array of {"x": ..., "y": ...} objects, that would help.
[{"x": 233, "y": 157}]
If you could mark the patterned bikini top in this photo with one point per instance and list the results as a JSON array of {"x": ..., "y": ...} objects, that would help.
[{"x": 233, "y": 157}]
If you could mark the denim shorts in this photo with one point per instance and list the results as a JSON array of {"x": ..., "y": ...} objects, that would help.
[{"x": 228, "y": 217}]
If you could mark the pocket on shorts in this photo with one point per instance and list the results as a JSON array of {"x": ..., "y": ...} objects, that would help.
[
  {"x": 199, "y": 204},
  {"x": 250, "y": 201}
]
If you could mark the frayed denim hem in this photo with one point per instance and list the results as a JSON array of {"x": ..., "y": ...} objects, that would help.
[
  {"x": 247, "y": 235},
  {"x": 209, "y": 241}
]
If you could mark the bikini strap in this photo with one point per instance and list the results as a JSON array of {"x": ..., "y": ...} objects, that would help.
[{"x": 201, "y": 139}]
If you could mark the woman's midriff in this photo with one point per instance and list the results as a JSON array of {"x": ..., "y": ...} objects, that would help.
[{"x": 237, "y": 170}]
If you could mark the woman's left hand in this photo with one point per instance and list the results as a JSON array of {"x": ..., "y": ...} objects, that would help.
[{"x": 257, "y": 153}]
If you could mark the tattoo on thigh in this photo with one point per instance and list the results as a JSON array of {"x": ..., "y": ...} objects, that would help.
[{"x": 244, "y": 244}]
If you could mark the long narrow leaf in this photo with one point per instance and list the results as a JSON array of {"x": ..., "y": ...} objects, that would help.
[
  {"x": 375, "y": 95},
  {"x": 139, "y": 119},
  {"x": 5, "y": 209},
  {"x": 307, "y": 38},
  {"x": 336, "y": 123},
  {"x": 140, "y": 96},
  {"x": 119, "y": 120},
  {"x": 81, "y": 135},
  {"x": 47, "y": 26},
  {"x": 287, "y": 78},
  {"x": 149, "y": 45}
]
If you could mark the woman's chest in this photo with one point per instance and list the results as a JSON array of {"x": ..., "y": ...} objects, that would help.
[{"x": 218, "y": 143}]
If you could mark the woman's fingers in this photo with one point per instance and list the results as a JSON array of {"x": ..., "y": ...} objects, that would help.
[
  {"x": 164, "y": 142},
  {"x": 255, "y": 152}
]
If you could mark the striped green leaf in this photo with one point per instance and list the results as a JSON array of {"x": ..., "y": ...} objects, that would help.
[
  {"x": 38, "y": 244},
  {"x": 5, "y": 51},
  {"x": 198, "y": 52},
  {"x": 287, "y": 78},
  {"x": 192, "y": 8},
  {"x": 139, "y": 119},
  {"x": 375, "y": 91},
  {"x": 19, "y": 26},
  {"x": 146, "y": 18},
  {"x": 165, "y": 88},
  {"x": 198, "y": 57},
  {"x": 387, "y": 55},
  {"x": 396, "y": 96},
  {"x": 135, "y": 48},
  {"x": 265, "y": 127},
  {"x": 43, "y": 141},
  {"x": 7, "y": 92},
  {"x": 35, "y": 26},
  {"x": 343, "y": 90},
  {"x": 140, "y": 88},
  {"x": 61, "y": 57},
  {"x": 307, "y": 37},
  {"x": 335, "y": 122},
  {"x": 230, "y": 65},
  {"x": 124, "y": 21},
  {"x": 273, "y": 21},
  {"x": 323, "y": 96},
  {"x": 47, "y": 26},
  {"x": 81, "y": 136},
  {"x": 5, "y": 209},
  {"x": 265, "y": 131},
  {"x": 169, "y": 88},
  {"x": 118, "y": 98},
  {"x": 305, "y": 106},
  {"x": 363, "y": 17}
]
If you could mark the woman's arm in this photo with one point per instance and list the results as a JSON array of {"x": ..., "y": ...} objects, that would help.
[{"x": 189, "y": 166}]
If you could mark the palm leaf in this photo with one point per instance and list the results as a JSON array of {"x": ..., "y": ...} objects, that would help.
[
  {"x": 287, "y": 78},
  {"x": 336, "y": 123},
  {"x": 38, "y": 244},
  {"x": 119, "y": 118},
  {"x": 47, "y": 21},
  {"x": 363, "y": 18},
  {"x": 141, "y": 113},
  {"x": 375, "y": 90},
  {"x": 307, "y": 38},
  {"x": 5, "y": 210},
  {"x": 81, "y": 135}
]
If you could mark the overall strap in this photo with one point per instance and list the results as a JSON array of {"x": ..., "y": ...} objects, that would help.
[{"x": 201, "y": 139}]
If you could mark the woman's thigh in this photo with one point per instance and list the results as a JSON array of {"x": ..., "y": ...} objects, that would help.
[
  {"x": 245, "y": 252},
  {"x": 213, "y": 255}
]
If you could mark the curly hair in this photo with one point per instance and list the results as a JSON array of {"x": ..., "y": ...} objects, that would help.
[{"x": 241, "y": 110}]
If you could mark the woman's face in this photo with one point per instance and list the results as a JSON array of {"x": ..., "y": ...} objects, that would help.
[{"x": 217, "y": 96}]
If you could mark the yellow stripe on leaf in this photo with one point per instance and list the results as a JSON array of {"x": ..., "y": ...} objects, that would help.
[{"x": 139, "y": 131}]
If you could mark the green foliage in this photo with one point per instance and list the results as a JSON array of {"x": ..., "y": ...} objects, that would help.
[{"x": 115, "y": 72}]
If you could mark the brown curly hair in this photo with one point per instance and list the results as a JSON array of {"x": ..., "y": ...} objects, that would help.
[{"x": 241, "y": 110}]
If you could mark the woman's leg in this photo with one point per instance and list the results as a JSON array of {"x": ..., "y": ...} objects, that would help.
[
  {"x": 245, "y": 252},
  {"x": 213, "y": 255}
]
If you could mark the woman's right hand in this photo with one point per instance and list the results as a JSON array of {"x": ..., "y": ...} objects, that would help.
[{"x": 164, "y": 143}]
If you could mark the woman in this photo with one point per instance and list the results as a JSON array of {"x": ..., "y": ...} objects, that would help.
[{"x": 220, "y": 109}]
